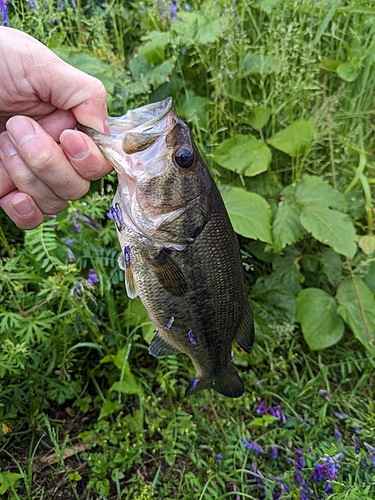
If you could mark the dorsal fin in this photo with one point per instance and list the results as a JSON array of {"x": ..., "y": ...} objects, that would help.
[{"x": 168, "y": 274}]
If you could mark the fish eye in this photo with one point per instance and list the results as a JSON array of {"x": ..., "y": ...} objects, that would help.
[{"x": 184, "y": 157}]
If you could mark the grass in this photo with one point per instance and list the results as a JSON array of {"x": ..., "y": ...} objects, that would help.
[{"x": 85, "y": 412}]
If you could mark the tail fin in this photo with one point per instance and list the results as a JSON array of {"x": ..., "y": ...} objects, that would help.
[{"x": 229, "y": 385}]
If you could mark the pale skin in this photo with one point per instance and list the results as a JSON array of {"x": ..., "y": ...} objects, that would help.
[{"x": 44, "y": 162}]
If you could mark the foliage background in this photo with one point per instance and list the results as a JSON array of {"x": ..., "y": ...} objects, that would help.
[{"x": 279, "y": 97}]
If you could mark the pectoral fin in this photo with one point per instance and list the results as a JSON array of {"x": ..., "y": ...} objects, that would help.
[
  {"x": 160, "y": 347},
  {"x": 168, "y": 274},
  {"x": 245, "y": 335}
]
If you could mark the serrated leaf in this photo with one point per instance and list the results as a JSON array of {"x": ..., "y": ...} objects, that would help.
[
  {"x": 243, "y": 154},
  {"x": 328, "y": 226},
  {"x": 367, "y": 243},
  {"x": 349, "y": 72},
  {"x": 259, "y": 117},
  {"x": 295, "y": 139},
  {"x": 317, "y": 313},
  {"x": 312, "y": 190},
  {"x": 287, "y": 269},
  {"x": 287, "y": 228},
  {"x": 331, "y": 228},
  {"x": 249, "y": 213},
  {"x": 356, "y": 308}
]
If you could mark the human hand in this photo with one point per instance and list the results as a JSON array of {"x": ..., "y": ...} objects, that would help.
[{"x": 43, "y": 161}]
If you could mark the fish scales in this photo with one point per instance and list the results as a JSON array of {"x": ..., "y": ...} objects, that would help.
[{"x": 182, "y": 255}]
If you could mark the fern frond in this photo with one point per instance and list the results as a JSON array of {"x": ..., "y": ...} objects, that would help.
[{"x": 42, "y": 243}]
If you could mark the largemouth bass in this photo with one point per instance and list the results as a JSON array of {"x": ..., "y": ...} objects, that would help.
[{"x": 179, "y": 251}]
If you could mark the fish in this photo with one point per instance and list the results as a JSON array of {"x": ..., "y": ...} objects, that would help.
[{"x": 180, "y": 254}]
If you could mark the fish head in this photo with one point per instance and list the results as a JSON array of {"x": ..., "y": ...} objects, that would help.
[{"x": 164, "y": 187}]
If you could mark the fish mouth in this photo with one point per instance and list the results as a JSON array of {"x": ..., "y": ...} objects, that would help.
[{"x": 136, "y": 130}]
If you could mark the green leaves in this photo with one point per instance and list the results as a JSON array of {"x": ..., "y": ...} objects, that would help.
[
  {"x": 295, "y": 139},
  {"x": 243, "y": 154},
  {"x": 356, "y": 308},
  {"x": 249, "y": 213},
  {"x": 317, "y": 314},
  {"x": 316, "y": 209}
]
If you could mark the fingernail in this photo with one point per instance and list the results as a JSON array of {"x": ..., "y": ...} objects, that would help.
[
  {"x": 20, "y": 129},
  {"x": 6, "y": 145},
  {"x": 75, "y": 146},
  {"x": 23, "y": 207},
  {"x": 107, "y": 130}
]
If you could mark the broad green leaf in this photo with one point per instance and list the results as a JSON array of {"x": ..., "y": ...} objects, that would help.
[
  {"x": 243, "y": 154},
  {"x": 287, "y": 227},
  {"x": 331, "y": 228},
  {"x": 90, "y": 65},
  {"x": 259, "y": 117},
  {"x": 194, "y": 108},
  {"x": 287, "y": 269},
  {"x": 312, "y": 190},
  {"x": 332, "y": 265},
  {"x": 154, "y": 49},
  {"x": 7, "y": 480},
  {"x": 249, "y": 213},
  {"x": 317, "y": 313},
  {"x": 274, "y": 302},
  {"x": 349, "y": 72},
  {"x": 159, "y": 74},
  {"x": 295, "y": 139},
  {"x": 367, "y": 243},
  {"x": 356, "y": 307},
  {"x": 254, "y": 64},
  {"x": 369, "y": 277}
]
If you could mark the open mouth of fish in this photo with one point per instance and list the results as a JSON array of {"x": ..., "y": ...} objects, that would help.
[{"x": 136, "y": 130}]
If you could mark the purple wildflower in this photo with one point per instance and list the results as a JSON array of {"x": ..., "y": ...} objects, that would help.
[
  {"x": 4, "y": 12},
  {"x": 187, "y": 8},
  {"x": 174, "y": 9},
  {"x": 69, "y": 241},
  {"x": 273, "y": 451},
  {"x": 74, "y": 4},
  {"x": 328, "y": 488},
  {"x": 31, "y": 4},
  {"x": 257, "y": 478},
  {"x": 275, "y": 411},
  {"x": 233, "y": 487},
  {"x": 357, "y": 445},
  {"x": 252, "y": 445},
  {"x": 93, "y": 277},
  {"x": 76, "y": 226},
  {"x": 219, "y": 458},
  {"x": 357, "y": 429},
  {"x": 298, "y": 460},
  {"x": 54, "y": 21},
  {"x": 326, "y": 470},
  {"x": 70, "y": 255},
  {"x": 340, "y": 415},
  {"x": 371, "y": 453},
  {"x": 298, "y": 479},
  {"x": 326, "y": 394},
  {"x": 337, "y": 434}
]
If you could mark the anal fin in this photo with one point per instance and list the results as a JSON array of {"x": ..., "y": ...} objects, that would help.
[
  {"x": 160, "y": 347},
  {"x": 245, "y": 334},
  {"x": 168, "y": 274}
]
